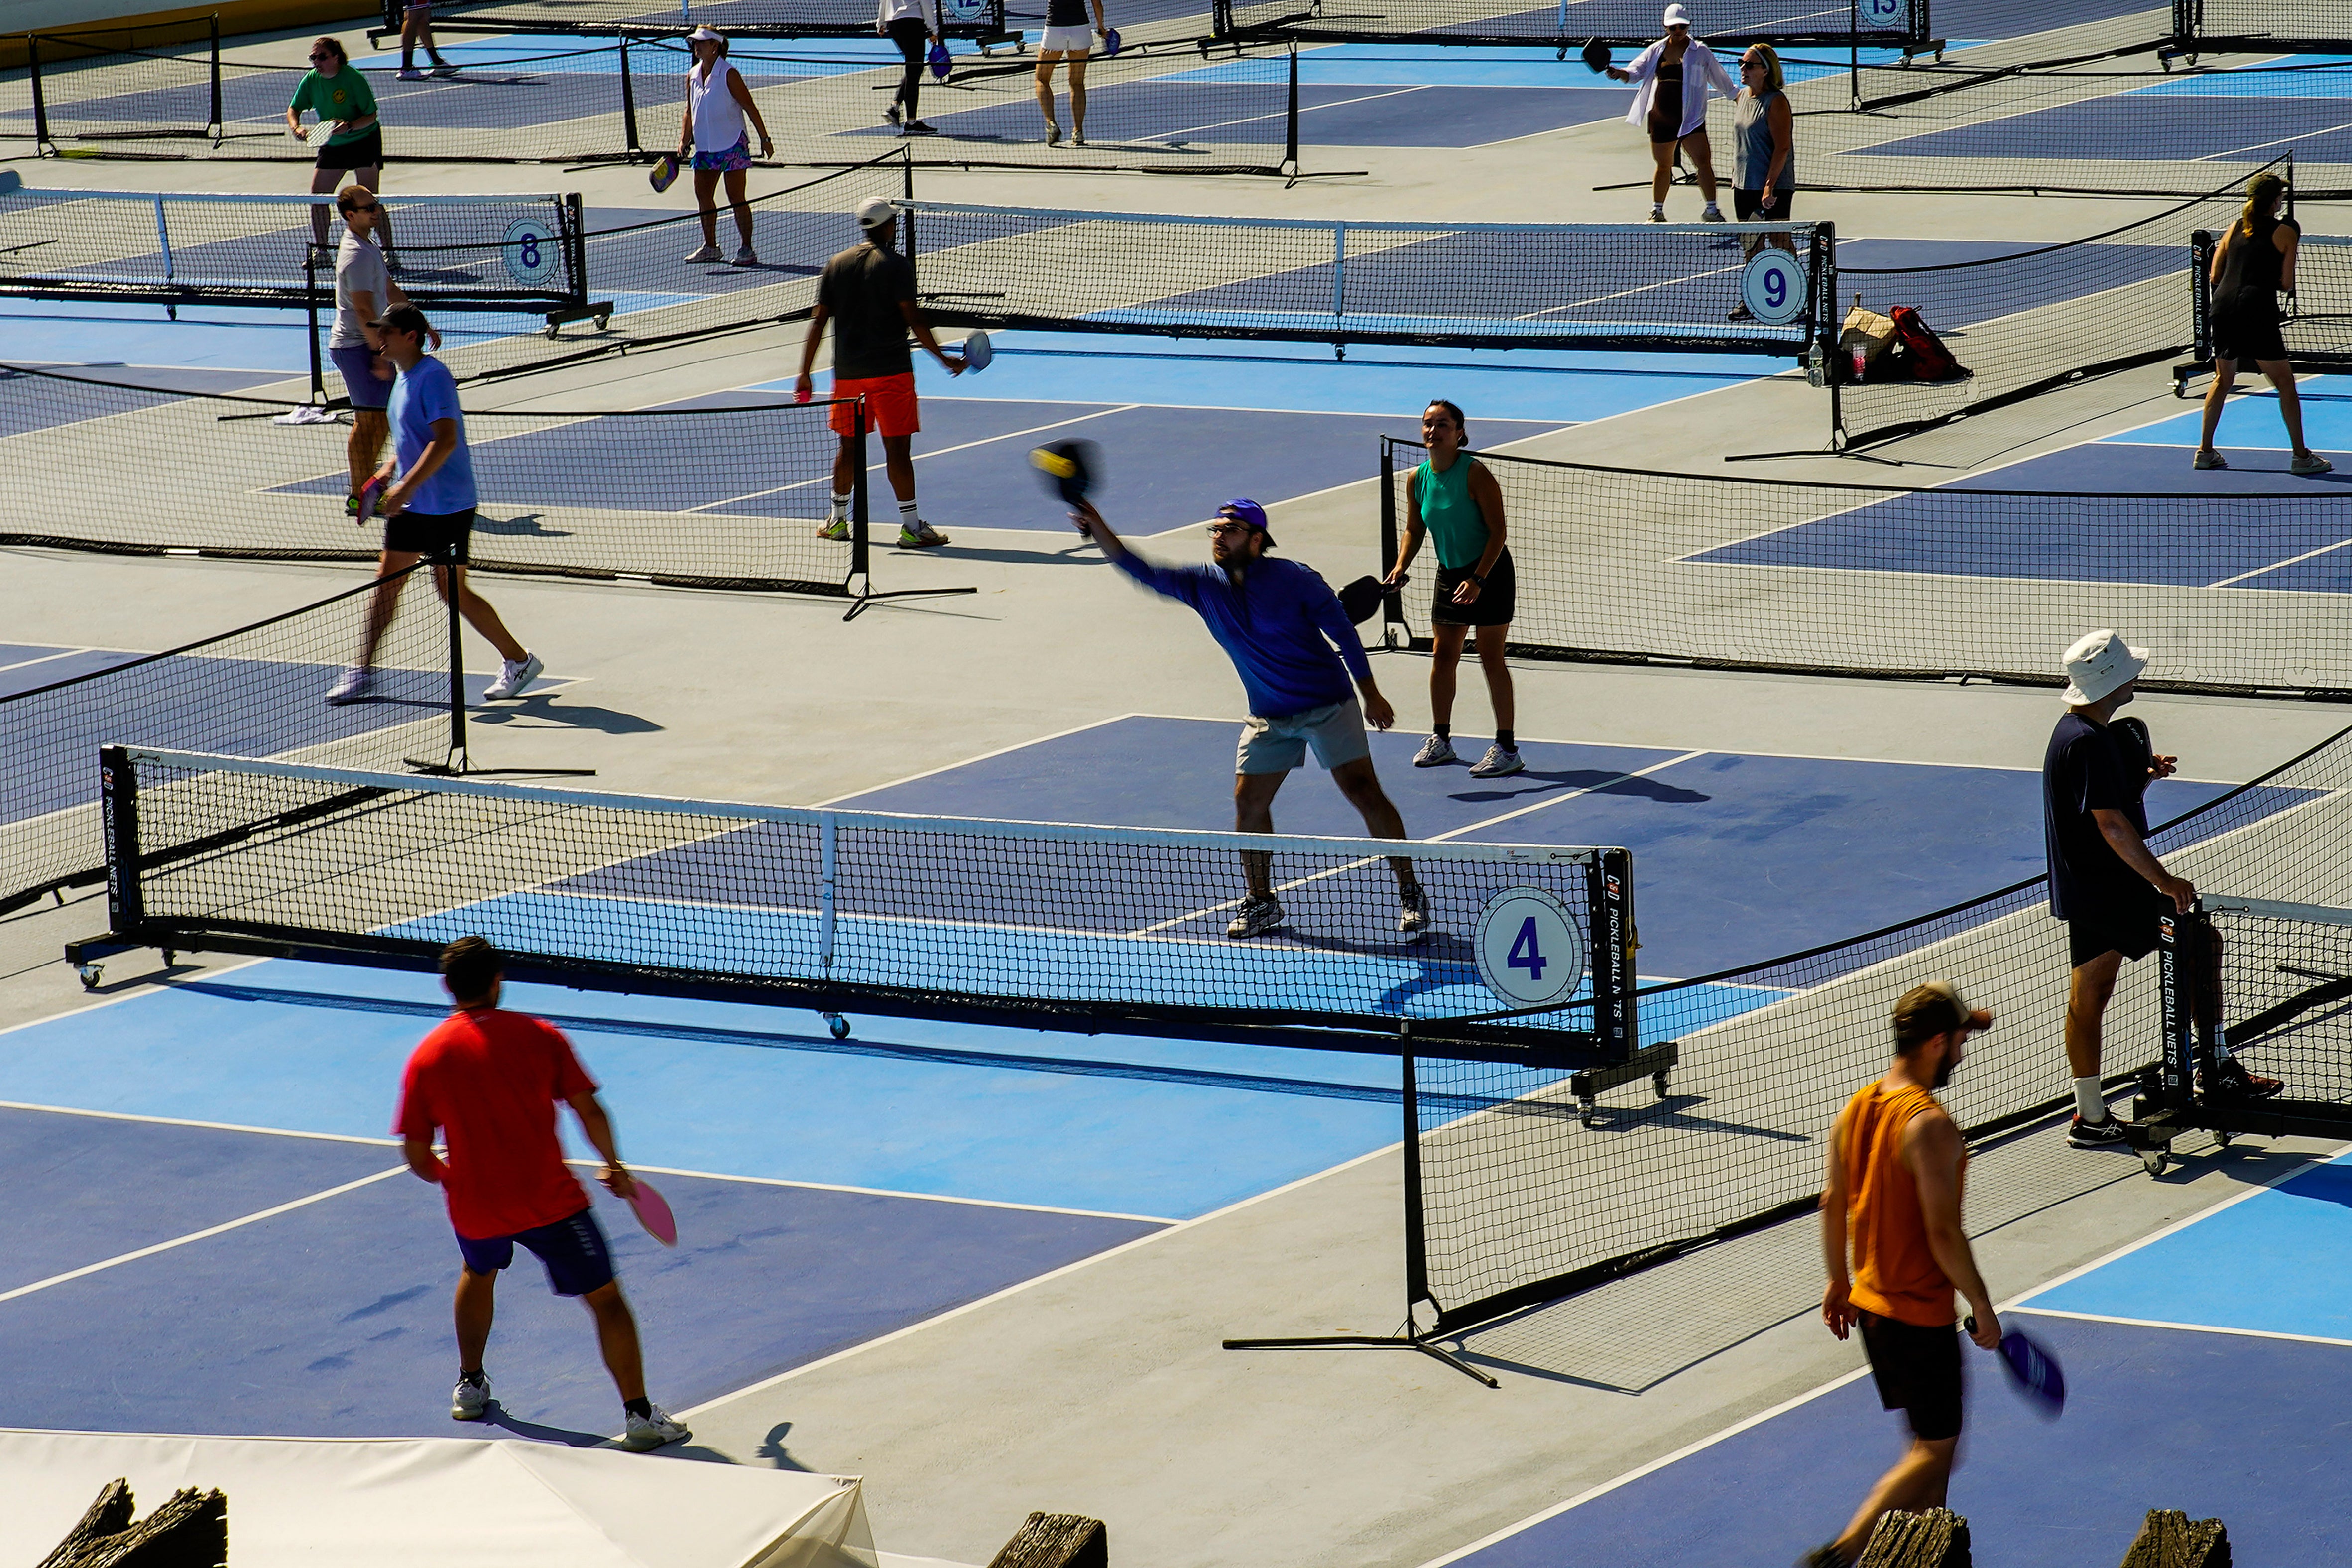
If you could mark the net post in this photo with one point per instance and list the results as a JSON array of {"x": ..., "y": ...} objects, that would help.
[
  {"x": 1616, "y": 1035},
  {"x": 117, "y": 787},
  {"x": 1391, "y": 602},
  {"x": 1416, "y": 1240},
  {"x": 41, "y": 137},
  {"x": 217, "y": 126},
  {"x": 2200, "y": 295},
  {"x": 458, "y": 759},
  {"x": 2177, "y": 1010},
  {"x": 311, "y": 306},
  {"x": 828, "y": 835},
  {"x": 628, "y": 102},
  {"x": 1290, "y": 119},
  {"x": 1853, "y": 52},
  {"x": 575, "y": 250},
  {"x": 860, "y": 503}
]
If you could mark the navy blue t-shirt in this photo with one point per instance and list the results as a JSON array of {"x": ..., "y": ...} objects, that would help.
[{"x": 2090, "y": 768}]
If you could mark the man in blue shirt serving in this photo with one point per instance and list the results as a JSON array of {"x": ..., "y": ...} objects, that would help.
[
  {"x": 1294, "y": 649},
  {"x": 428, "y": 507}
]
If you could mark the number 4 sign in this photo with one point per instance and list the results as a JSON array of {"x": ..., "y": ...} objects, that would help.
[{"x": 1529, "y": 949}]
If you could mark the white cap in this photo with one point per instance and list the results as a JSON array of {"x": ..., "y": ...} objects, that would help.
[
  {"x": 2099, "y": 665},
  {"x": 875, "y": 211},
  {"x": 1677, "y": 16},
  {"x": 705, "y": 35}
]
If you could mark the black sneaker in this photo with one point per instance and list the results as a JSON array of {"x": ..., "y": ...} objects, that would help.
[
  {"x": 2231, "y": 1081},
  {"x": 2107, "y": 1133}
]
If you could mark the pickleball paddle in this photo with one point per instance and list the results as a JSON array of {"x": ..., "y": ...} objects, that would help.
[
  {"x": 652, "y": 1211},
  {"x": 1070, "y": 468},
  {"x": 1111, "y": 42},
  {"x": 1595, "y": 57},
  {"x": 940, "y": 61},
  {"x": 665, "y": 173},
  {"x": 371, "y": 501},
  {"x": 978, "y": 351},
  {"x": 2032, "y": 1371},
  {"x": 1361, "y": 598}
]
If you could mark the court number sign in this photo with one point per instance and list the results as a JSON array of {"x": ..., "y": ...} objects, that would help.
[
  {"x": 1529, "y": 952},
  {"x": 1882, "y": 13},
  {"x": 532, "y": 254},
  {"x": 1774, "y": 287},
  {"x": 974, "y": 10}
]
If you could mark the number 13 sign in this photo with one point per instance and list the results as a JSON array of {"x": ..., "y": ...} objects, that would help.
[{"x": 1529, "y": 950}]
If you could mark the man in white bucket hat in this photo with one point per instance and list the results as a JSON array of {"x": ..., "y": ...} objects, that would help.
[{"x": 2104, "y": 881}]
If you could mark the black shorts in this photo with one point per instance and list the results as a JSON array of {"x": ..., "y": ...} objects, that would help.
[
  {"x": 1497, "y": 596},
  {"x": 429, "y": 533},
  {"x": 578, "y": 1258},
  {"x": 1918, "y": 1372},
  {"x": 2246, "y": 329},
  {"x": 361, "y": 152},
  {"x": 2125, "y": 927},
  {"x": 1748, "y": 206}
]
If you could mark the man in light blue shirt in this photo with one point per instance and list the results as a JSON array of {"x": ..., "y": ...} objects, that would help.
[
  {"x": 1296, "y": 652},
  {"x": 428, "y": 508}
]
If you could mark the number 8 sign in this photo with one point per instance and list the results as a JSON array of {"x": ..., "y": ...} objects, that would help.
[
  {"x": 1774, "y": 287},
  {"x": 1529, "y": 950},
  {"x": 531, "y": 255}
]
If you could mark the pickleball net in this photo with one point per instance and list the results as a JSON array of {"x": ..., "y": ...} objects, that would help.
[
  {"x": 255, "y": 691},
  {"x": 2214, "y": 25},
  {"x": 636, "y": 18},
  {"x": 1633, "y": 23},
  {"x": 1517, "y": 1200},
  {"x": 2316, "y": 320},
  {"x": 2285, "y": 993},
  {"x": 1036, "y": 924}
]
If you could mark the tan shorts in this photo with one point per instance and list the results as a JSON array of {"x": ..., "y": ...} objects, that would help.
[{"x": 1335, "y": 731}]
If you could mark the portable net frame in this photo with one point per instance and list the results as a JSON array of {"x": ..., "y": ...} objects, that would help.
[
  {"x": 691, "y": 497},
  {"x": 1518, "y": 1197},
  {"x": 1170, "y": 106},
  {"x": 1649, "y": 287},
  {"x": 258, "y": 691},
  {"x": 2317, "y": 323},
  {"x": 981, "y": 20},
  {"x": 1039, "y": 925},
  {"x": 2212, "y": 27},
  {"x": 1870, "y": 23},
  {"x": 2240, "y": 593}
]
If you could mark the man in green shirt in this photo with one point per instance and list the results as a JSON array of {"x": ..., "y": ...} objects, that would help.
[{"x": 349, "y": 138}]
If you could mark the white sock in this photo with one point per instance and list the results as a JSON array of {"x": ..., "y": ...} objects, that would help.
[
  {"x": 2088, "y": 1101},
  {"x": 909, "y": 519},
  {"x": 841, "y": 507}
]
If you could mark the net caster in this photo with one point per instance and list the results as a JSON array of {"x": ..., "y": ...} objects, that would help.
[
  {"x": 1658, "y": 1082},
  {"x": 2222, "y": 1140},
  {"x": 91, "y": 973},
  {"x": 838, "y": 1025},
  {"x": 171, "y": 958},
  {"x": 2151, "y": 1159},
  {"x": 1587, "y": 1111},
  {"x": 604, "y": 320},
  {"x": 550, "y": 331}
]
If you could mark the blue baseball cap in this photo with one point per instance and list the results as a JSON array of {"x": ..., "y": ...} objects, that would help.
[{"x": 1249, "y": 513}]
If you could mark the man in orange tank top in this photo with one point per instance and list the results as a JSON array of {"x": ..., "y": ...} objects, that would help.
[{"x": 1897, "y": 1164}]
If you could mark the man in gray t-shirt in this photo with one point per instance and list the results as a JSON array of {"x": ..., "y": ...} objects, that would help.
[
  {"x": 364, "y": 291},
  {"x": 868, "y": 294}
]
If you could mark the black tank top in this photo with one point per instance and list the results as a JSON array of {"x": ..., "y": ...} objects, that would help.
[
  {"x": 1065, "y": 13},
  {"x": 2258, "y": 261}
]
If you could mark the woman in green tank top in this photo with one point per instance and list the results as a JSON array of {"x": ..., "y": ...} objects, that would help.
[{"x": 1452, "y": 501}]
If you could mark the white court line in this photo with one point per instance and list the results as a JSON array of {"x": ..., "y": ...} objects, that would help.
[
  {"x": 2190, "y": 1328},
  {"x": 1036, "y": 1280},
  {"x": 89, "y": 1268},
  {"x": 983, "y": 757},
  {"x": 883, "y": 1193},
  {"x": 44, "y": 659},
  {"x": 188, "y": 1121},
  {"x": 2277, "y": 565},
  {"x": 944, "y": 451}
]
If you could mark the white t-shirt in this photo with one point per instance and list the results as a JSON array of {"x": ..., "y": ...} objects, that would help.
[
  {"x": 358, "y": 269},
  {"x": 889, "y": 11},
  {"x": 718, "y": 118}
]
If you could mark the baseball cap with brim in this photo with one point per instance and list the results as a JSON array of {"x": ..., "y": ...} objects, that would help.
[
  {"x": 1249, "y": 512},
  {"x": 2100, "y": 664},
  {"x": 705, "y": 35},
  {"x": 875, "y": 211},
  {"x": 1963, "y": 1015},
  {"x": 1675, "y": 16}
]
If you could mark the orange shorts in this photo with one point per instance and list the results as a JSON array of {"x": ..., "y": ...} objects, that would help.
[{"x": 889, "y": 405}]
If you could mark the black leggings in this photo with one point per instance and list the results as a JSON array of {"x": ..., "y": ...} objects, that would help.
[{"x": 909, "y": 32}]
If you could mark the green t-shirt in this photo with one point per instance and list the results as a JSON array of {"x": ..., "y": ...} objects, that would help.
[
  {"x": 345, "y": 96},
  {"x": 1456, "y": 527}
]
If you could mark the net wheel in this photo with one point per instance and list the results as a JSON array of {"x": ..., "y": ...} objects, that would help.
[
  {"x": 551, "y": 329},
  {"x": 2220, "y": 1140},
  {"x": 91, "y": 973},
  {"x": 604, "y": 320},
  {"x": 169, "y": 958},
  {"x": 1587, "y": 1111},
  {"x": 1658, "y": 1082},
  {"x": 2151, "y": 1159},
  {"x": 838, "y": 1025}
]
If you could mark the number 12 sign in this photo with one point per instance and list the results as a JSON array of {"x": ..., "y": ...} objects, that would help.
[{"x": 1529, "y": 952}]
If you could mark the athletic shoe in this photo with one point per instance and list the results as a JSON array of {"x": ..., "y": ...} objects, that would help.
[
  {"x": 518, "y": 674},
  {"x": 1412, "y": 909},
  {"x": 2309, "y": 463},
  {"x": 354, "y": 684},
  {"x": 917, "y": 128},
  {"x": 443, "y": 68},
  {"x": 410, "y": 73},
  {"x": 1658, "y": 215},
  {"x": 1741, "y": 314},
  {"x": 1053, "y": 134},
  {"x": 1499, "y": 759},
  {"x": 648, "y": 1432},
  {"x": 1259, "y": 913},
  {"x": 837, "y": 530},
  {"x": 701, "y": 253},
  {"x": 747, "y": 257},
  {"x": 2231, "y": 1081},
  {"x": 2105, "y": 1134},
  {"x": 2208, "y": 460},
  {"x": 922, "y": 536},
  {"x": 1435, "y": 753},
  {"x": 1077, "y": 140},
  {"x": 894, "y": 114},
  {"x": 470, "y": 1400},
  {"x": 1713, "y": 214}
]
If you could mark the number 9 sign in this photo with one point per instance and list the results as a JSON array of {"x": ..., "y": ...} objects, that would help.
[
  {"x": 530, "y": 253},
  {"x": 1774, "y": 287},
  {"x": 1529, "y": 950}
]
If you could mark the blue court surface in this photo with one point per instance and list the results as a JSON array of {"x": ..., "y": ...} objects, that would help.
[{"x": 2204, "y": 1371}]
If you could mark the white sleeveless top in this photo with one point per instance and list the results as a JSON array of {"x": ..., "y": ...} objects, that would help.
[{"x": 718, "y": 118}]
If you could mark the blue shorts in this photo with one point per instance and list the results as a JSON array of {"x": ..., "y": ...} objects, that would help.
[
  {"x": 574, "y": 1249},
  {"x": 357, "y": 365}
]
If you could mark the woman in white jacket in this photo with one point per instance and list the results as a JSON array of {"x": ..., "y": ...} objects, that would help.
[{"x": 1671, "y": 79}]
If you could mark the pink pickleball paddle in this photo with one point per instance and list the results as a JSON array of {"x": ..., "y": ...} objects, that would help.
[{"x": 652, "y": 1211}]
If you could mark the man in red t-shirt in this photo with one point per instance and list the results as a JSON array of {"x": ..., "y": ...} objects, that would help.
[{"x": 491, "y": 1080}]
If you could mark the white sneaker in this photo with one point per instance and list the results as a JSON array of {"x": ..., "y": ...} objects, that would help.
[
  {"x": 1435, "y": 753},
  {"x": 410, "y": 73},
  {"x": 2310, "y": 463},
  {"x": 1658, "y": 215},
  {"x": 836, "y": 528},
  {"x": 470, "y": 1400},
  {"x": 1053, "y": 134},
  {"x": 354, "y": 684},
  {"x": 1713, "y": 214},
  {"x": 922, "y": 536},
  {"x": 1259, "y": 913},
  {"x": 1497, "y": 762},
  {"x": 747, "y": 257},
  {"x": 648, "y": 1432},
  {"x": 702, "y": 253},
  {"x": 517, "y": 675}
]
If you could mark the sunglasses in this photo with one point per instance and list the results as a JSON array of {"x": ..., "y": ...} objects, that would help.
[
  {"x": 363, "y": 207},
  {"x": 1220, "y": 528}
]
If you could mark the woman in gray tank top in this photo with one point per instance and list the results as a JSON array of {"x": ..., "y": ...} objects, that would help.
[{"x": 1763, "y": 153}]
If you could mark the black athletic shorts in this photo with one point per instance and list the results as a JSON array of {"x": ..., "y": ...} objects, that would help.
[
  {"x": 1918, "y": 1372},
  {"x": 1497, "y": 596},
  {"x": 2247, "y": 328},
  {"x": 2127, "y": 928},
  {"x": 1748, "y": 206},
  {"x": 428, "y": 532},
  {"x": 360, "y": 152}
]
